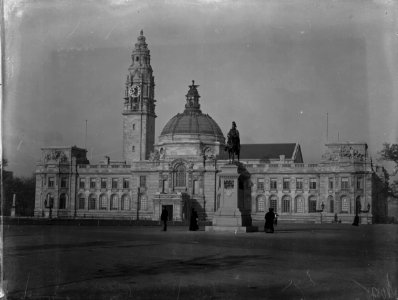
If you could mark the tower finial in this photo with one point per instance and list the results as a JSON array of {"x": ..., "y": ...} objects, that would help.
[
  {"x": 142, "y": 32},
  {"x": 193, "y": 82}
]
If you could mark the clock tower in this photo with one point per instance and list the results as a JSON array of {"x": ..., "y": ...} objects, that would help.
[{"x": 139, "y": 105}]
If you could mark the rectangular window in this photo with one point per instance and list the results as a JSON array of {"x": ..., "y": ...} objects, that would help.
[
  {"x": 195, "y": 187},
  {"x": 273, "y": 184},
  {"x": 165, "y": 186},
  {"x": 64, "y": 182},
  {"x": 133, "y": 148},
  {"x": 114, "y": 183},
  {"x": 51, "y": 182},
  {"x": 92, "y": 183},
  {"x": 344, "y": 183},
  {"x": 126, "y": 183},
  {"x": 82, "y": 183},
  {"x": 359, "y": 183},
  {"x": 260, "y": 184},
  {"x": 81, "y": 202},
  {"x": 286, "y": 183},
  {"x": 299, "y": 184},
  {"x": 313, "y": 184},
  {"x": 331, "y": 182},
  {"x": 103, "y": 183},
  {"x": 142, "y": 181}
]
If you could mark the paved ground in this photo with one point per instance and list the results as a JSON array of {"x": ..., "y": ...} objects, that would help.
[{"x": 325, "y": 261}]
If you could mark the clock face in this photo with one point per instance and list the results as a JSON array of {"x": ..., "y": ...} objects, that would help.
[{"x": 134, "y": 90}]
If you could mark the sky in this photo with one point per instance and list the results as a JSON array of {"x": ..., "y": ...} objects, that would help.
[{"x": 276, "y": 68}]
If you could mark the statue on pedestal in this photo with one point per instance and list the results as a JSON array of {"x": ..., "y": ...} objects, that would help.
[{"x": 233, "y": 143}]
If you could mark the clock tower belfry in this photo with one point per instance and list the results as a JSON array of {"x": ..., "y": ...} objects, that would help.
[{"x": 139, "y": 105}]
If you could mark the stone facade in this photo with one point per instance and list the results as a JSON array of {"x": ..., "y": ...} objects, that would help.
[{"x": 183, "y": 169}]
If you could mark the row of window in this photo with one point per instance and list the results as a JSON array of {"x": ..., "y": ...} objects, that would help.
[
  {"x": 125, "y": 203},
  {"x": 93, "y": 182},
  {"x": 51, "y": 182},
  {"x": 114, "y": 183},
  {"x": 312, "y": 183},
  {"x": 299, "y": 207}
]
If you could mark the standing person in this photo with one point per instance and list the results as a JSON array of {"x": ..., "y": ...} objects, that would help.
[
  {"x": 193, "y": 224},
  {"x": 164, "y": 217},
  {"x": 269, "y": 221},
  {"x": 356, "y": 220}
]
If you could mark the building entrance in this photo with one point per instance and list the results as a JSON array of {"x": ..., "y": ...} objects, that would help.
[{"x": 169, "y": 209}]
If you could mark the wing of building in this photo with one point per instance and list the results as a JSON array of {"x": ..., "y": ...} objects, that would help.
[{"x": 180, "y": 172}]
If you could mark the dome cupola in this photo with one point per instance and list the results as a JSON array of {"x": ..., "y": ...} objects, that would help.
[{"x": 191, "y": 127}]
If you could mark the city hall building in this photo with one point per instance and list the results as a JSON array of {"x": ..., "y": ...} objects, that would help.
[{"x": 181, "y": 171}]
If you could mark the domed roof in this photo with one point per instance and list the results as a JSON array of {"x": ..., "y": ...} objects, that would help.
[{"x": 192, "y": 120}]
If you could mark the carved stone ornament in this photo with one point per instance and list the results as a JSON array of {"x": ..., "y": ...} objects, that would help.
[
  {"x": 56, "y": 155},
  {"x": 154, "y": 156}
]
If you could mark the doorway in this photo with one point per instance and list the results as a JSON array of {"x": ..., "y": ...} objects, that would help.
[{"x": 169, "y": 209}]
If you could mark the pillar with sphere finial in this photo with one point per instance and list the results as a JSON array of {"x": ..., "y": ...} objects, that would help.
[{"x": 13, "y": 205}]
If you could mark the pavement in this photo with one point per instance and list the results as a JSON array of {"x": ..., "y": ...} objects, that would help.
[{"x": 298, "y": 261}]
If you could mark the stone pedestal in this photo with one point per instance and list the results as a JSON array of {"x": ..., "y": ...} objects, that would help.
[{"x": 228, "y": 216}]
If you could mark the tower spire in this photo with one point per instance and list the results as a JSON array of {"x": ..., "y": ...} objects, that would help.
[{"x": 139, "y": 104}]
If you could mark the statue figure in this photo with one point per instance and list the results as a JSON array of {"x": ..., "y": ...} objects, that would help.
[{"x": 233, "y": 143}]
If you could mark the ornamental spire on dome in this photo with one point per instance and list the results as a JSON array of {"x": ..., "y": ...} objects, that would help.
[{"x": 192, "y": 104}]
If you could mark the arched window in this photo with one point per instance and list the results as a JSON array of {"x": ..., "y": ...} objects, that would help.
[
  {"x": 114, "y": 202},
  {"x": 286, "y": 204},
  {"x": 49, "y": 202},
  {"x": 143, "y": 203},
  {"x": 312, "y": 204},
  {"x": 273, "y": 202},
  {"x": 180, "y": 176},
  {"x": 331, "y": 204},
  {"x": 260, "y": 201},
  {"x": 62, "y": 201},
  {"x": 345, "y": 204},
  {"x": 125, "y": 202},
  {"x": 91, "y": 201},
  {"x": 299, "y": 204},
  {"x": 103, "y": 202},
  {"x": 82, "y": 201}
]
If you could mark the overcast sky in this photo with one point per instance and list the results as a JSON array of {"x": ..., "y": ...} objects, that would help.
[{"x": 274, "y": 67}]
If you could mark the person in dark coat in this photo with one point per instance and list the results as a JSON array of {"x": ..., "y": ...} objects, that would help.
[
  {"x": 356, "y": 220},
  {"x": 164, "y": 217},
  {"x": 193, "y": 224},
  {"x": 269, "y": 221}
]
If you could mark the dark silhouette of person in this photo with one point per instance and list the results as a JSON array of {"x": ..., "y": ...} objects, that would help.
[
  {"x": 269, "y": 221},
  {"x": 356, "y": 220},
  {"x": 164, "y": 217},
  {"x": 193, "y": 224}
]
